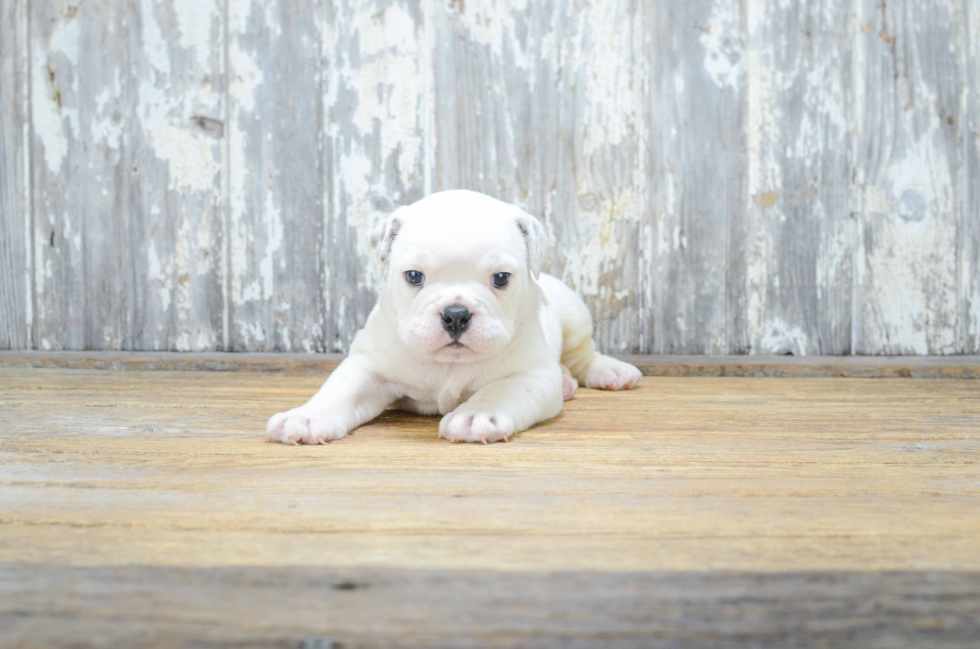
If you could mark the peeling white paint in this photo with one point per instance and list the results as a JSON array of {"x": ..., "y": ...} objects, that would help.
[
  {"x": 388, "y": 90},
  {"x": 159, "y": 274},
  {"x": 780, "y": 338},
  {"x": 586, "y": 266},
  {"x": 107, "y": 127},
  {"x": 165, "y": 115},
  {"x": 609, "y": 117},
  {"x": 595, "y": 67},
  {"x": 384, "y": 130},
  {"x": 724, "y": 49},
  {"x": 273, "y": 242},
  {"x": 245, "y": 77},
  {"x": 492, "y": 23},
  {"x": 195, "y": 23},
  {"x": 50, "y": 108},
  {"x": 205, "y": 254}
]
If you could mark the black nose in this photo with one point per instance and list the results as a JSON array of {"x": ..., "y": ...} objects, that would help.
[{"x": 455, "y": 320}]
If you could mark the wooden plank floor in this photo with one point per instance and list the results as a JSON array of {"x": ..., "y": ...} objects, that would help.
[{"x": 145, "y": 508}]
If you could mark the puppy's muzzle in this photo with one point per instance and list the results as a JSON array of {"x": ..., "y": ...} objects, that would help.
[{"x": 455, "y": 320}]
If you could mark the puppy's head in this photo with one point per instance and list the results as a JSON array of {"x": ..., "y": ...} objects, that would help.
[{"x": 458, "y": 273}]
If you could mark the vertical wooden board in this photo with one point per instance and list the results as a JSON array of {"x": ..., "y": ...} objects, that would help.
[
  {"x": 540, "y": 104},
  {"x": 487, "y": 103},
  {"x": 81, "y": 163},
  {"x": 176, "y": 61},
  {"x": 374, "y": 120},
  {"x": 276, "y": 212},
  {"x": 908, "y": 176},
  {"x": 799, "y": 232},
  {"x": 970, "y": 225},
  {"x": 694, "y": 172},
  {"x": 16, "y": 295}
]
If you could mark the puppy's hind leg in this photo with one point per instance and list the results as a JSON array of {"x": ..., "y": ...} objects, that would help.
[
  {"x": 578, "y": 354},
  {"x": 607, "y": 373}
]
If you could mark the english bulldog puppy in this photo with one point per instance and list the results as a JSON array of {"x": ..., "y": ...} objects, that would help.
[{"x": 465, "y": 326}]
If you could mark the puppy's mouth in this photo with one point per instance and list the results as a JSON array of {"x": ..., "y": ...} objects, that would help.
[{"x": 455, "y": 345}]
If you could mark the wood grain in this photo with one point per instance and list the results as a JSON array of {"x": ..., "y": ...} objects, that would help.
[
  {"x": 254, "y": 607},
  {"x": 969, "y": 239},
  {"x": 719, "y": 177},
  {"x": 107, "y": 468},
  {"x": 908, "y": 170},
  {"x": 276, "y": 204},
  {"x": 83, "y": 161},
  {"x": 374, "y": 147},
  {"x": 138, "y": 506},
  {"x": 16, "y": 294},
  {"x": 671, "y": 365},
  {"x": 540, "y": 106},
  {"x": 693, "y": 224},
  {"x": 176, "y": 206},
  {"x": 796, "y": 277}
]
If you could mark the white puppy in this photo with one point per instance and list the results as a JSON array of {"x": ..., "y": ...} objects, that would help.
[{"x": 465, "y": 326}]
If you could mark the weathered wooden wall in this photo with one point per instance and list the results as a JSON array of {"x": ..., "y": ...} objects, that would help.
[{"x": 721, "y": 176}]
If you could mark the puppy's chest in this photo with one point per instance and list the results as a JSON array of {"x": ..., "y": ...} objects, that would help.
[{"x": 435, "y": 399}]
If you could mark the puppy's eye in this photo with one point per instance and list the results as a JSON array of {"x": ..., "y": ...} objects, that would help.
[
  {"x": 414, "y": 277},
  {"x": 500, "y": 280}
]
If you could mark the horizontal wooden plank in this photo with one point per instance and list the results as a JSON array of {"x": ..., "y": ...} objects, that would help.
[
  {"x": 332, "y": 608},
  {"x": 146, "y": 508},
  {"x": 954, "y": 367},
  {"x": 171, "y": 468}
]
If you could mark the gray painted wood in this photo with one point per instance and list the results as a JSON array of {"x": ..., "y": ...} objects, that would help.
[
  {"x": 176, "y": 205},
  {"x": 695, "y": 179},
  {"x": 798, "y": 236},
  {"x": 541, "y": 106},
  {"x": 83, "y": 177},
  {"x": 276, "y": 207},
  {"x": 374, "y": 156},
  {"x": 907, "y": 171},
  {"x": 719, "y": 176},
  {"x": 958, "y": 366},
  {"x": 16, "y": 308},
  {"x": 55, "y": 605},
  {"x": 126, "y": 107},
  {"x": 970, "y": 235}
]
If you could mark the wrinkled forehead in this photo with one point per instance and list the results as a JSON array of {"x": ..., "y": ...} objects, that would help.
[{"x": 473, "y": 239}]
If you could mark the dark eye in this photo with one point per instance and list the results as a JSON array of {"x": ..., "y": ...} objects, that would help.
[
  {"x": 414, "y": 277},
  {"x": 500, "y": 280}
]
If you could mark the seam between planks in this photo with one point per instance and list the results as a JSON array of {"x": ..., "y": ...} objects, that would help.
[
  {"x": 32, "y": 332},
  {"x": 924, "y": 367}
]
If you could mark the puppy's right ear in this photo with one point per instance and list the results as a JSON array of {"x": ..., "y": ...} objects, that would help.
[
  {"x": 535, "y": 238},
  {"x": 381, "y": 237}
]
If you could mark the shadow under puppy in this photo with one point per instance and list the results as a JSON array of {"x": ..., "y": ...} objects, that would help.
[{"x": 465, "y": 326}]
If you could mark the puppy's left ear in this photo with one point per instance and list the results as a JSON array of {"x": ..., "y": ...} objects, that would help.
[
  {"x": 536, "y": 239},
  {"x": 380, "y": 238}
]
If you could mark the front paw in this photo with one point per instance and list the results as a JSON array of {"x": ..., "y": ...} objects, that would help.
[
  {"x": 473, "y": 426},
  {"x": 608, "y": 373},
  {"x": 304, "y": 426}
]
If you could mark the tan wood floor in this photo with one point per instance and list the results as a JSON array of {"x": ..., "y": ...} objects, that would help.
[{"x": 146, "y": 508}]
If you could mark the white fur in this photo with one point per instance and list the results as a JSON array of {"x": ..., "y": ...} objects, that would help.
[{"x": 526, "y": 350}]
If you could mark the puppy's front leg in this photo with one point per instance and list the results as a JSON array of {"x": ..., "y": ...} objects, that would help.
[
  {"x": 351, "y": 396},
  {"x": 506, "y": 406}
]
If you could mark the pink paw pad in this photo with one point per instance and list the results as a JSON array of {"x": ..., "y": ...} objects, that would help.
[{"x": 568, "y": 387}]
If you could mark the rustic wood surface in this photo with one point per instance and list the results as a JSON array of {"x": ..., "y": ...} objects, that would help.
[
  {"x": 968, "y": 243},
  {"x": 146, "y": 507},
  {"x": 16, "y": 248},
  {"x": 335, "y": 608},
  {"x": 721, "y": 176},
  {"x": 869, "y": 367}
]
